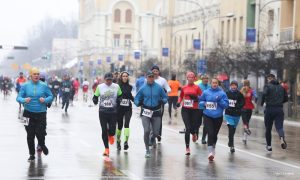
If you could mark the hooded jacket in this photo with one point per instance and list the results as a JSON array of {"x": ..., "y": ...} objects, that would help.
[
  {"x": 236, "y": 103},
  {"x": 274, "y": 95}
]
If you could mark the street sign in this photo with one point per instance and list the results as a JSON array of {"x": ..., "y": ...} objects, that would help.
[
  {"x": 251, "y": 35},
  {"x": 197, "y": 44},
  {"x": 165, "y": 52},
  {"x": 137, "y": 55},
  {"x": 201, "y": 66}
]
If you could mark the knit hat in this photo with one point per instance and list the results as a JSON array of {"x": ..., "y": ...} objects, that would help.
[
  {"x": 234, "y": 82},
  {"x": 155, "y": 67}
]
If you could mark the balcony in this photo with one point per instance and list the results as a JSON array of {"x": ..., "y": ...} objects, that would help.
[{"x": 286, "y": 35}]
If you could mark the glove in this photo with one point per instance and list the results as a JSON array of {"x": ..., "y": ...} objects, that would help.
[
  {"x": 178, "y": 104},
  {"x": 49, "y": 105},
  {"x": 95, "y": 100}
]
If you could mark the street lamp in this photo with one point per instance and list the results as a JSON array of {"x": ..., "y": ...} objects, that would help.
[{"x": 171, "y": 40}]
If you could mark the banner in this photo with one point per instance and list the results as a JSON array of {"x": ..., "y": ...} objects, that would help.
[
  {"x": 201, "y": 66},
  {"x": 197, "y": 44},
  {"x": 99, "y": 61},
  {"x": 251, "y": 35},
  {"x": 165, "y": 52},
  {"x": 108, "y": 59},
  {"x": 137, "y": 55},
  {"x": 120, "y": 57}
]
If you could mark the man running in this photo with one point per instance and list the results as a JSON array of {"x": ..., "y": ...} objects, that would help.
[
  {"x": 66, "y": 92},
  {"x": 20, "y": 80},
  {"x": 173, "y": 96},
  {"x": 151, "y": 97},
  {"x": 85, "y": 89},
  {"x": 274, "y": 95},
  {"x": 110, "y": 95},
  {"x": 55, "y": 84}
]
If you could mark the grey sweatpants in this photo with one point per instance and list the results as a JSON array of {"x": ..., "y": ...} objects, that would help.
[{"x": 153, "y": 122}]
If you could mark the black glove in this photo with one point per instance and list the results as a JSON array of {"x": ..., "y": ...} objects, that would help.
[
  {"x": 95, "y": 100},
  {"x": 49, "y": 105},
  {"x": 178, "y": 104}
]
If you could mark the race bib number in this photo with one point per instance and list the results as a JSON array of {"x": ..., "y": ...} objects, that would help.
[
  {"x": 232, "y": 103},
  {"x": 25, "y": 121},
  {"x": 211, "y": 105},
  {"x": 188, "y": 103},
  {"x": 107, "y": 104},
  {"x": 56, "y": 86},
  {"x": 124, "y": 102},
  {"x": 147, "y": 113},
  {"x": 67, "y": 89}
]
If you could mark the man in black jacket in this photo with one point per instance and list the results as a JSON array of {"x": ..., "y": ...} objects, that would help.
[{"x": 274, "y": 96}]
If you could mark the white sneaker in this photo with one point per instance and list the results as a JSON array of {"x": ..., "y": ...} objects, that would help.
[{"x": 211, "y": 157}]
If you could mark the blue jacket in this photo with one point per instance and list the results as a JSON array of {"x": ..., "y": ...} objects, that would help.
[
  {"x": 151, "y": 95},
  {"x": 35, "y": 91},
  {"x": 203, "y": 88},
  {"x": 139, "y": 83},
  {"x": 215, "y": 96}
]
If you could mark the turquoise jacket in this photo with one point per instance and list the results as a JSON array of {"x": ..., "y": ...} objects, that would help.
[{"x": 35, "y": 91}]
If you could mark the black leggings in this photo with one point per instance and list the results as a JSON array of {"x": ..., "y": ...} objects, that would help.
[
  {"x": 273, "y": 114},
  {"x": 121, "y": 115},
  {"x": 36, "y": 128},
  {"x": 172, "y": 101},
  {"x": 231, "y": 132},
  {"x": 246, "y": 116},
  {"x": 212, "y": 126},
  {"x": 108, "y": 125},
  {"x": 191, "y": 121}
]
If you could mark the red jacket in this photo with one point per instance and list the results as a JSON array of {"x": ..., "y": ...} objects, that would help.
[{"x": 248, "y": 99}]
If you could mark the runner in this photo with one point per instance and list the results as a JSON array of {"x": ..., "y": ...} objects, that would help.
[
  {"x": 233, "y": 112},
  {"x": 274, "y": 95},
  {"x": 190, "y": 113},
  {"x": 20, "y": 80},
  {"x": 204, "y": 85},
  {"x": 124, "y": 109},
  {"x": 249, "y": 94},
  {"x": 215, "y": 101},
  {"x": 85, "y": 89},
  {"x": 35, "y": 94},
  {"x": 76, "y": 85},
  {"x": 173, "y": 96},
  {"x": 151, "y": 97},
  {"x": 55, "y": 84},
  {"x": 164, "y": 84},
  {"x": 66, "y": 92},
  {"x": 109, "y": 94}
]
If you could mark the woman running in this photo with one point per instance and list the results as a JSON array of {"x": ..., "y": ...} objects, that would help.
[
  {"x": 233, "y": 112},
  {"x": 249, "y": 94},
  {"x": 190, "y": 113},
  {"x": 215, "y": 101},
  {"x": 124, "y": 109}
]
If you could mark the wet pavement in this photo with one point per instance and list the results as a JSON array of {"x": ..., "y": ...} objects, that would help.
[{"x": 75, "y": 151}]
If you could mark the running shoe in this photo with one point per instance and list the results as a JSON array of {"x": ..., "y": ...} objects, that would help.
[
  {"x": 203, "y": 141},
  {"x": 269, "y": 148},
  {"x": 245, "y": 138},
  {"x": 126, "y": 145},
  {"x": 283, "y": 143},
  {"x": 158, "y": 138},
  {"x": 45, "y": 150},
  {"x": 39, "y": 149},
  {"x": 106, "y": 152},
  {"x": 211, "y": 157},
  {"x": 182, "y": 131},
  {"x": 119, "y": 145},
  {"x": 111, "y": 139},
  {"x": 247, "y": 131},
  {"x": 175, "y": 115},
  {"x": 147, "y": 155},
  {"x": 187, "y": 151},
  {"x": 31, "y": 158},
  {"x": 194, "y": 137},
  {"x": 232, "y": 150}
]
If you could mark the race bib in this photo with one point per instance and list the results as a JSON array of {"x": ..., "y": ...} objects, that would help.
[
  {"x": 232, "y": 103},
  {"x": 67, "y": 89},
  {"x": 147, "y": 113},
  {"x": 211, "y": 105},
  {"x": 107, "y": 104},
  {"x": 188, "y": 103},
  {"x": 56, "y": 86},
  {"x": 25, "y": 121},
  {"x": 124, "y": 102}
]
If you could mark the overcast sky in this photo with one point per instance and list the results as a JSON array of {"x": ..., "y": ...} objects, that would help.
[{"x": 18, "y": 16}]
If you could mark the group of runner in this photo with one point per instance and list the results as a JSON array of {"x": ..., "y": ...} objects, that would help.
[{"x": 204, "y": 102}]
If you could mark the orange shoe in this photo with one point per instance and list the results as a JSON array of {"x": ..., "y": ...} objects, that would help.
[
  {"x": 111, "y": 139},
  {"x": 106, "y": 152}
]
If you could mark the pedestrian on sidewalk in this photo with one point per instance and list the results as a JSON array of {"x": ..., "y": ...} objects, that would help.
[
  {"x": 274, "y": 95},
  {"x": 190, "y": 112},
  {"x": 109, "y": 94},
  {"x": 215, "y": 101},
  {"x": 124, "y": 109},
  {"x": 35, "y": 95},
  {"x": 249, "y": 95},
  {"x": 233, "y": 112},
  {"x": 151, "y": 97},
  {"x": 173, "y": 96}
]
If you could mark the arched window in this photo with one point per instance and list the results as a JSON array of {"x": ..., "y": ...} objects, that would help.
[
  {"x": 117, "y": 15},
  {"x": 128, "y": 16}
]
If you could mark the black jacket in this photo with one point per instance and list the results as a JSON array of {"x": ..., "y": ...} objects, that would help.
[
  {"x": 126, "y": 89},
  {"x": 274, "y": 95},
  {"x": 236, "y": 103}
]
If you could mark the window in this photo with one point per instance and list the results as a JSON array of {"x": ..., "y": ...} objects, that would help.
[
  {"x": 222, "y": 31},
  {"x": 128, "y": 17},
  {"x": 270, "y": 22},
  {"x": 228, "y": 31},
  {"x": 117, "y": 15},
  {"x": 116, "y": 40},
  {"x": 127, "y": 40},
  {"x": 241, "y": 29},
  {"x": 234, "y": 30}
]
